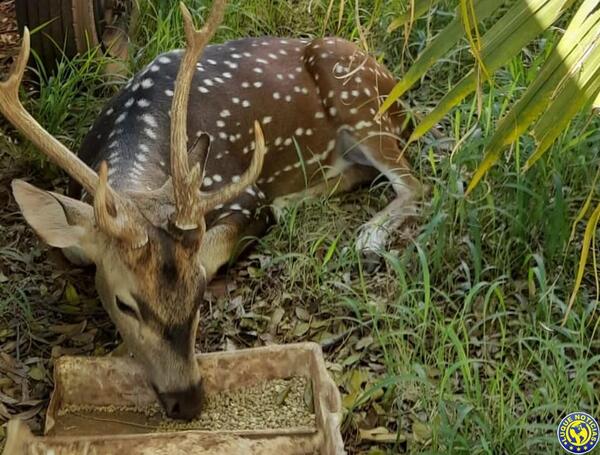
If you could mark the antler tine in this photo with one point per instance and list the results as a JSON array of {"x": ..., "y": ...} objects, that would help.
[
  {"x": 210, "y": 200},
  {"x": 186, "y": 184},
  {"x": 120, "y": 225},
  {"x": 15, "y": 113}
]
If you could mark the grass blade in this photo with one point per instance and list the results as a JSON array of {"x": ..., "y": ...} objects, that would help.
[
  {"x": 415, "y": 10},
  {"x": 585, "y": 249},
  {"x": 596, "y": 105},
  {"x": 586, "y": 206}
]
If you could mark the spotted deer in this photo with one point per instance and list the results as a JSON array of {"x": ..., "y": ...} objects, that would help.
[{"x": 177, "y": 169}]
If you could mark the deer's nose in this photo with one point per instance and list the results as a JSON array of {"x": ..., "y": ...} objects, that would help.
[{"x": 182, "y": 404}]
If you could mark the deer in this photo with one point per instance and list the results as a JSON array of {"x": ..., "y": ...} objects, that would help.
[{"x": 199, "y": 150}]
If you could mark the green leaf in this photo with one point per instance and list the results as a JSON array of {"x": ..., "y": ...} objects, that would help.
[
  {"x": 525, "y": 20},
  {"x": 36, "y": 373},
  {"x": 71, "y": 294},
  {"x": 578, "y": 89},
  {"x": 438, "y": 47},
  {"x": 559, "y": 114},
  {"x": 331, "y": 251},
  {"x": 553, "y": 79},
  {"x": 354, "y": 387}
]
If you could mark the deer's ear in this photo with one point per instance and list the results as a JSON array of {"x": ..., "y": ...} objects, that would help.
[{"x": 59, "y": 220}]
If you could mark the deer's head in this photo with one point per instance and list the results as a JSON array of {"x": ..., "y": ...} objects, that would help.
[{"x": 146, "y": 247}]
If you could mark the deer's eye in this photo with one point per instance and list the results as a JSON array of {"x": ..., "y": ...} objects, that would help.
[{"x": 125, "y": 308}]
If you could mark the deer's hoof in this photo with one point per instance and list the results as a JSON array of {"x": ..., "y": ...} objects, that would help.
[
  {"x": 372, "y": 240},
  {"x": 370, "y": 261}
]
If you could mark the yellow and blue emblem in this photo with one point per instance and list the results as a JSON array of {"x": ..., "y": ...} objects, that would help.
[{"x": 578, "y": 433}]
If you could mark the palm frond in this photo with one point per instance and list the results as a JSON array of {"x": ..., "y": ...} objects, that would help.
[{"x": 568, "y": 81}]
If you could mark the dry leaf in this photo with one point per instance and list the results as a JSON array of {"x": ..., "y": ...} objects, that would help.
[
  {"x": 364, "y": 342},
  {"x": 302, "y": 314},
  {"x": 301, "y": 328},
  {"x": 68, "y": 329},
  {"x": 421, "y": 431},
  {"x": 380, "y": 434}
]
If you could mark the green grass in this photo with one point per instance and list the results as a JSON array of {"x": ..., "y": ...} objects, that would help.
[{"x": 455, "y": 346}]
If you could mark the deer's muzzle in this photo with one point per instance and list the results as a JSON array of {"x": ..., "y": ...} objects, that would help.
[{"x": 182, "y": 404}]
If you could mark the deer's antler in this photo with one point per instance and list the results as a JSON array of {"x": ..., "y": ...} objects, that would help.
[
  {"x": 209, "y": 200},
  {"x": 191, "y": 204},
  {"x": 124, "y": 223},
  {"x": 120, "y": 225}
]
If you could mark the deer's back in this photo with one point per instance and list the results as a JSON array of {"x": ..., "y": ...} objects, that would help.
[{"x": 303, "y": 92}]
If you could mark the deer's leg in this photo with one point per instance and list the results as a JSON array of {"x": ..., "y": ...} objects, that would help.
[
  {"x": 352, "y": 176},
  {"x": 360, "y": 83},
  {"x": 374, "y": 235},
  {"x": 239, "y": 219},
  {"x": 218, "y": 247},
  {"x": 384, "y": 154}
]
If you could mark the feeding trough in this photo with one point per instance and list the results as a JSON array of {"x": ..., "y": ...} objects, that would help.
[{"x": 275, "y": 399}]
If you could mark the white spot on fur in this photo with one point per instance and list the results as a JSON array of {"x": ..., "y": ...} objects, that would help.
[
  {"x": 147, "y": 83},
  {"x": 149, "y": 120}
]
